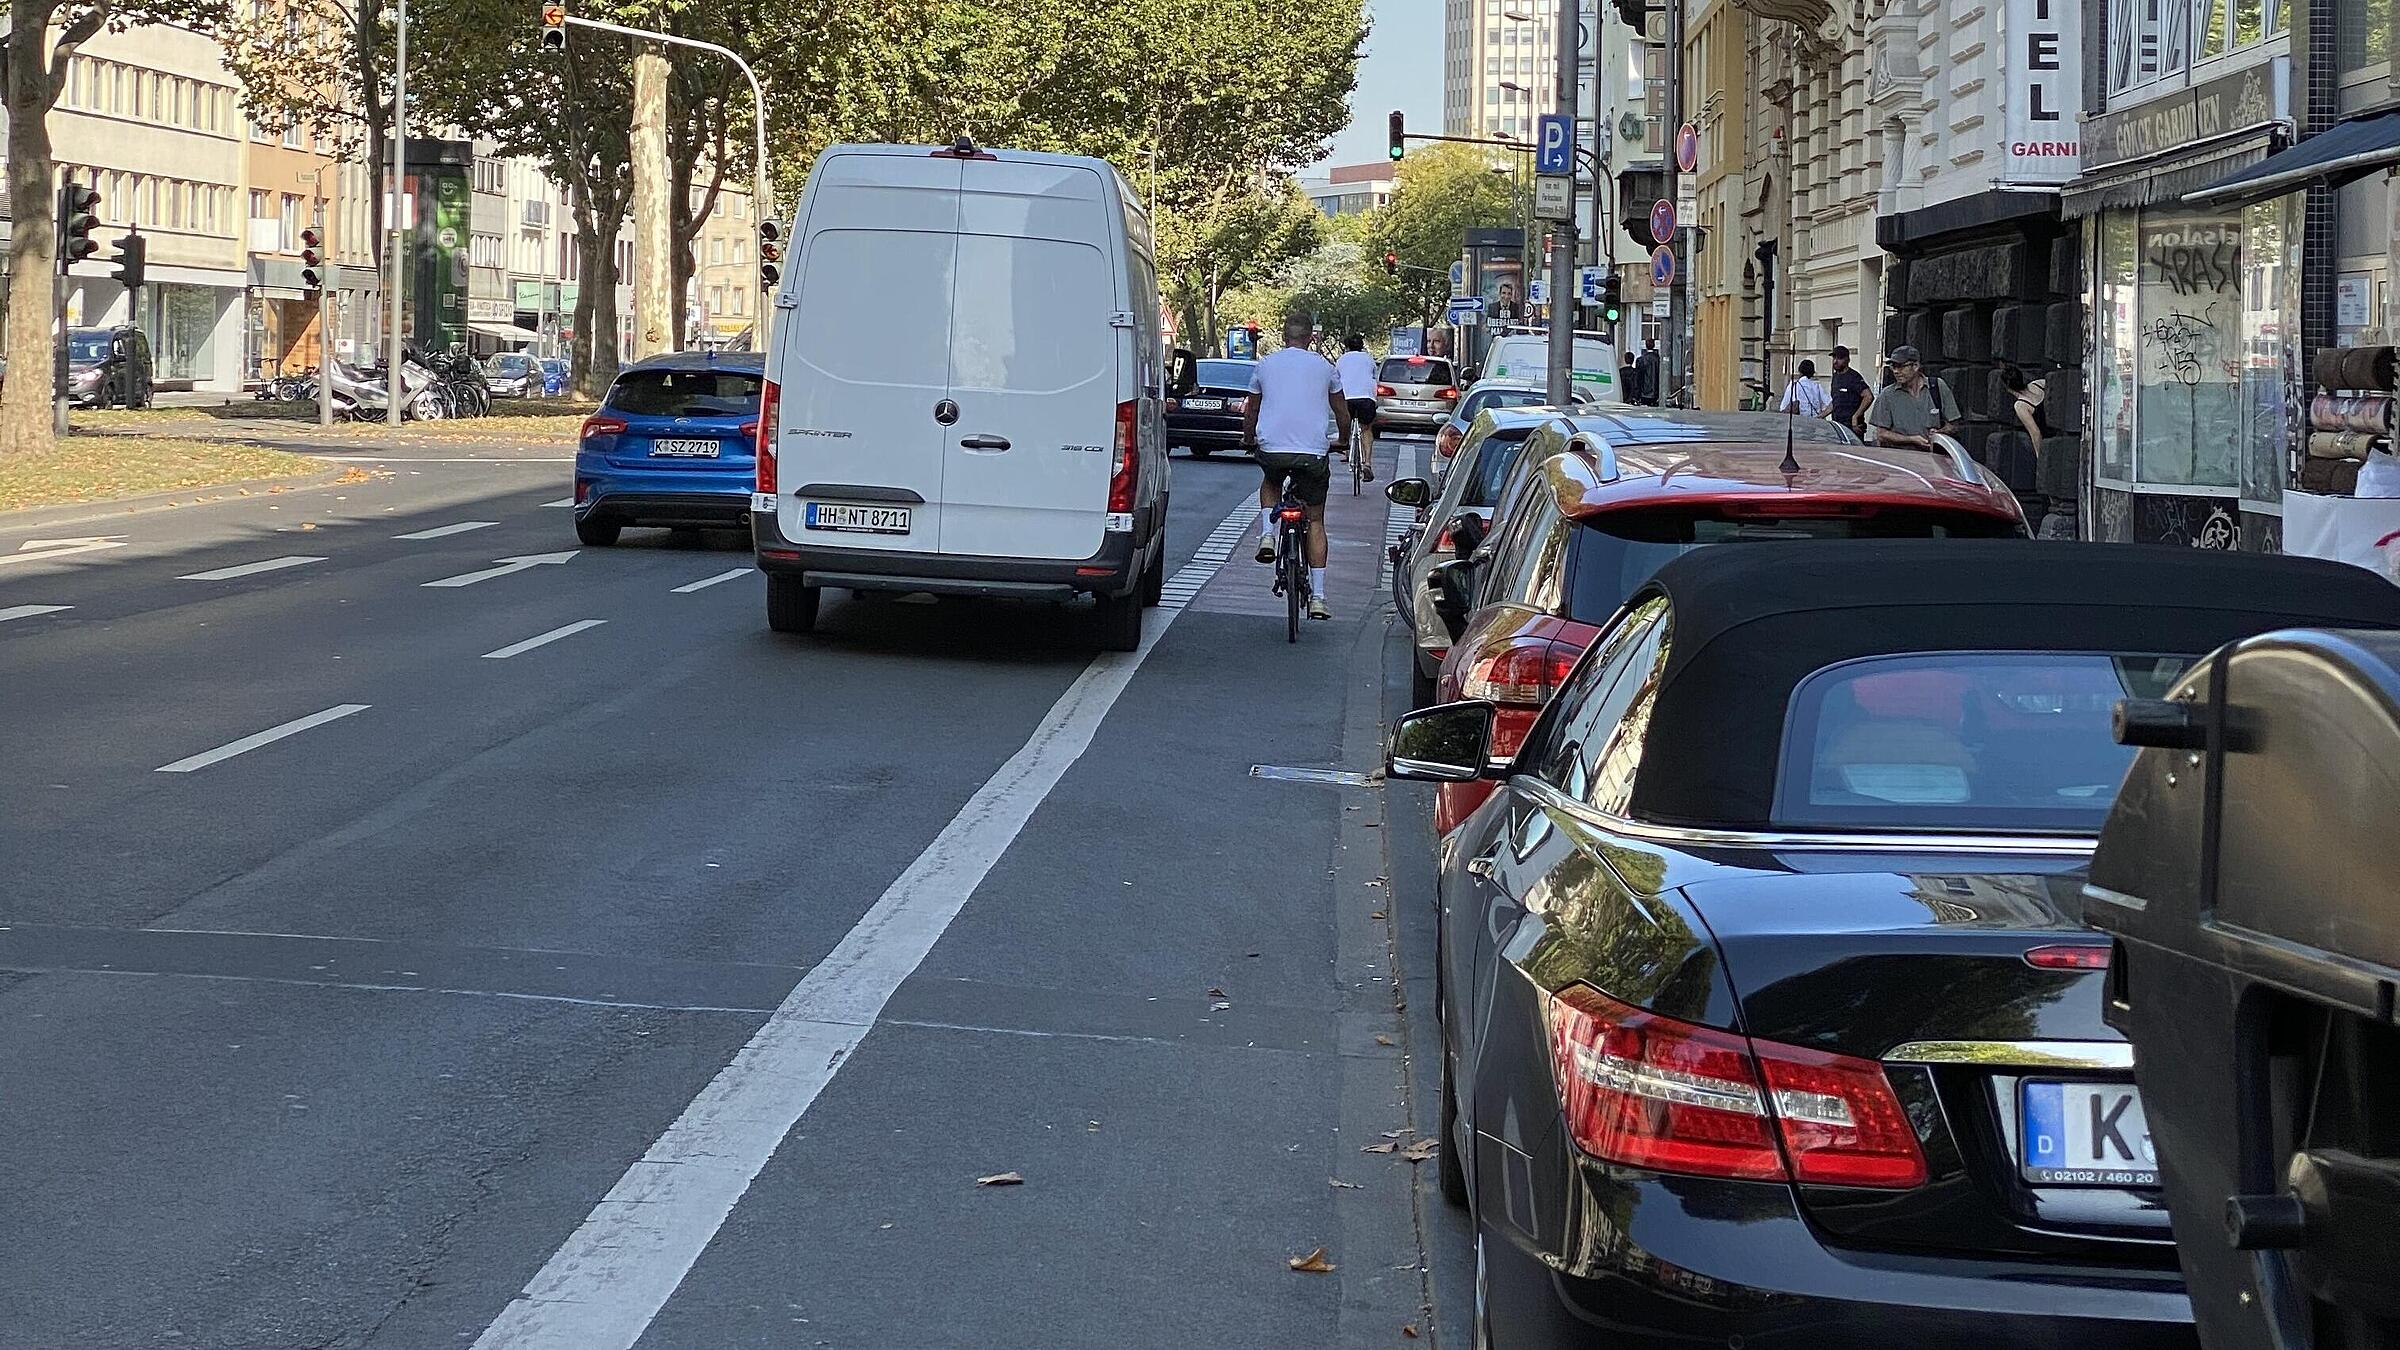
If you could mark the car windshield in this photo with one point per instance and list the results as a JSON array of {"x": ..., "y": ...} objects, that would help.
[
  {"x": 1614, "y": 554},
  {"x": 86, "y": 345},
  {"x": 1227, "y": 374},
  {"x": 511, "y": 364},
  {"x": 686, "y": 393},
  {"x": 1494, "y": 456},
  {"x": 1963, "y": 740},
  {"x": 1415, "y": 370}
]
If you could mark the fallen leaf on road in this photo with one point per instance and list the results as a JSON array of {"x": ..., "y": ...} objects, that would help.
[
  {"x": 1381, "y": 1148},
  {"x": 1343, "y": 1185},
  {"x": 1376, "y": 915},
  {"x": 1214, "y": 992},
  {"x": 1312, "y": 1264},
  {"x": 308, "y": 524},
  {"x": 1409, "y": 1329},
  {"x": 1000, "y": 1179},
  {"x": 1383, "y": 1040},
  {"x": 1394, "y": 1134},
  {"x": 1421, "y": 1150}
]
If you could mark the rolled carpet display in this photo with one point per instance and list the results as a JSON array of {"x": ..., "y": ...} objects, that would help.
[
  {"x": 2367, "y": 368},
  {"x": 2330, "y": 477},
  {"x": 2343, "y": 444},
  {"x": 2328, "y": 367},
  {"x": 2370, "y": 413}
]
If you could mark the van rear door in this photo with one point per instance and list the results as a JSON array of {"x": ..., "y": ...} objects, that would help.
[
  {"x": 1036, "y": 363},
  {"x": 866, "y": 355}
]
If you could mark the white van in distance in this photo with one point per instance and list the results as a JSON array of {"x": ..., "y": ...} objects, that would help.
[{"x": 964, "y": 387}]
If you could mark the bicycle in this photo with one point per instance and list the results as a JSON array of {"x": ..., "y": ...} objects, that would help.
[{"x": 1291, "y": 560}]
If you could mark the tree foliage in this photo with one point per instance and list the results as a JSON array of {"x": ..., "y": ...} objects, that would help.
[{"x": 1442, "y": 192}]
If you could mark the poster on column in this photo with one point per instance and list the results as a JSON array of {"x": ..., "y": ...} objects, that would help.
[{"x": 2042, "y": 89}]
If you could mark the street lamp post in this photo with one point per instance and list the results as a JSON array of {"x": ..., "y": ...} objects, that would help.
[{"x": 392, "y": 362}]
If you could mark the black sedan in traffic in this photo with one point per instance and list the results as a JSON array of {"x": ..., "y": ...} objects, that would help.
[
  {"x": 1769, "y": 1015},
  {"x": 1205, "y": 414}
]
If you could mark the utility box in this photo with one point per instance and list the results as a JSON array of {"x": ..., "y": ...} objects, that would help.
[{"x": 2250, "y": 873}]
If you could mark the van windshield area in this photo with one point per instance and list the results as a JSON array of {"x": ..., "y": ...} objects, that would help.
[
  {"x": 87, "y": 345},
  {"x": 1415, "y": 370},
  {"x": 686, "y": 393}
]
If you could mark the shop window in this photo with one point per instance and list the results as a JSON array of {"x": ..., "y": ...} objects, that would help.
[
  {"x": 2270, "y": 343},
  {"x": 2188, "y": 414},
  {"x": 2362, "y": 35},
  {"x": 2118, "y": 340}
]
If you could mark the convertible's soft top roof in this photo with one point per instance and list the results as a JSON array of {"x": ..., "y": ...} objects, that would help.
[{"x": 1752, "y": 620}]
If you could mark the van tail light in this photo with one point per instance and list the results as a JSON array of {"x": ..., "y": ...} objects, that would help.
[
  {"x": 1518, "y": 679},
  {"x": 601, "y": 424},
  {"x": 1385, "y": 391},
  {"x": 1653, "y": 1092},
  {"x": 1446, "y": 441},
  {"x": 770, "y": 401},
  {"x": 1125, "y": 468}
]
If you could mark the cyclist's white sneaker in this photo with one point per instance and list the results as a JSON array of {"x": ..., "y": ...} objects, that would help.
[
  {"x": 1266, "y": 550},
  {"x": 1316, "y": 608}
]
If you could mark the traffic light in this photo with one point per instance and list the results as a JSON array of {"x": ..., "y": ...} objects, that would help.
[
  {"x": 1612, "y": 297},
  {"x": 554, "y": 26},
  {"x": 78, "y": 208},
  {"x": 133, "y": 254},
  {"x": 1391, "y": 264},
  {"x": 1399, "y": 127},
  {"x": 770, "y": 253},
  {"x": 312, "y": 261}
]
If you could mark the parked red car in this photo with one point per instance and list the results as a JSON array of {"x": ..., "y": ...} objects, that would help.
[{"x": 1600, "y": 500}]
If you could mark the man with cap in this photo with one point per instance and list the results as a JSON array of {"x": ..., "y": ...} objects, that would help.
[
  {"x": 1851, "y": 396},
  {"x": 1913, "y": 408}
]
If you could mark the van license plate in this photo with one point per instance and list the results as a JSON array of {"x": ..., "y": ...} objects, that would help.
[
  {"x": 685, "y": 449},
  {"x": 2084, "y": 1134},
  {"x": 856, "y": 519}
]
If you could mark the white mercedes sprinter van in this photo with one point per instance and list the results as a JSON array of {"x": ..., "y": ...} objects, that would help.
[{"x": 964, "y": 385}]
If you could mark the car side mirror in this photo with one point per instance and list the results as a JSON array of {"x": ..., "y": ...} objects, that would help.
[
  {"x": 1453, "y": 593},
  {"x": 1451, "y": 743},
  {"x": 1466, "y": 533},
  {"x": 1409, "y": 492}
]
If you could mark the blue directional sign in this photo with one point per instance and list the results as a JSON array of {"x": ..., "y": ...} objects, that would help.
[
  {"x": 1554, "y": 147},
  {"x": 1662, "y": 267},
  {"x": 1466, "y": 309}
]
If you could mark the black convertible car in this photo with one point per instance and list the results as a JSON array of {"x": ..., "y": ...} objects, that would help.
[{"x": 1769, "y": 1015}]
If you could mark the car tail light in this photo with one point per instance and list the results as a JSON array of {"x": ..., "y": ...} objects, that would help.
[
  {"x": 1126, "y": 468},
  {"x": 601, "y": 424},
  {"x": 1518, "y": 678},
  {"x": 1174, "y": 405},
  {"x": 1237, "y": 405},
  {"x": 1450, "y": 392},
  {"x": 1446, "y": 441},
  {"x": 770, "y": 400},
  {"x": 583, "y": 491},
  {"x": 2068, "y": 956},
  {"x": 1653, "y": 1092},
  {"x": 1385, "y": 391}
]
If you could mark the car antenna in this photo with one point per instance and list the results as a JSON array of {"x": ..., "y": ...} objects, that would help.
[{"x": 1791, "y": 420}]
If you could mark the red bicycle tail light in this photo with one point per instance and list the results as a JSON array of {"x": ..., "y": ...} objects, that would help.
[
  {"x": 1654, "y": 1092},
  {"x": 1289, "y": 514},
  {"x": 770, "y": 401},
  {"x": 2068, "y": 956},
  {"x": 1125, "y": 470}
]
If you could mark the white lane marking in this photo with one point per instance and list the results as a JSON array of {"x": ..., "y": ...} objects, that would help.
[
  {"x": 507, "y": 566},
  {"x": 29, "y": 611},
  {"x": 563, "y": 501},
  {"x": 33, "y": 550},
  {"x": 461, "y": 459},
  {"x": 251, "y": 569},
  {"x": 267, "y": 737},
  {"x": 542, "y": 639},
  {"x": 604, "y": 1285},
  {"x": 705, "y": 582},
  {"x": 441, "y": 531}
]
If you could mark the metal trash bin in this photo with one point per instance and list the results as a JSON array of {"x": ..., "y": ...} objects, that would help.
[{"x": 2250, "y": 873}]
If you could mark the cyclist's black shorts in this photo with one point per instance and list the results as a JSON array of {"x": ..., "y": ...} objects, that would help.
[
  {"x": 1362, "y": 411},
  {"x": 1311, "y": 476}
]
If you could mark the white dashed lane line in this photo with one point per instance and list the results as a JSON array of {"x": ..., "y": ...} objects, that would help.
[
  {"x": 250, "y": 569},
  {"x": 30, "y": 611},
  {"x": 542, "y": 639},
  {"x": 705, "y": 582},
  {"x": 444, "y": 531},
  {"x": 267, "y": 737},
  {"x": 563, "y": 501}
]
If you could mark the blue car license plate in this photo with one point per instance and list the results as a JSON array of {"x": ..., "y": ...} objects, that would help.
[{"x": 2083, "y": 1134}]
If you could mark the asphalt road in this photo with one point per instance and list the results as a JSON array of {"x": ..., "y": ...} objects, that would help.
[{"x": 417, "y": 930}]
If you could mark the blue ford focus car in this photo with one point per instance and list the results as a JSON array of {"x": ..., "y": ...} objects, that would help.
[{"x": 672, "y": 445}]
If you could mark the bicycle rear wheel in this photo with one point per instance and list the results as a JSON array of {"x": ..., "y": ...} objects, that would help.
[{"x": 1295, "y": 581}]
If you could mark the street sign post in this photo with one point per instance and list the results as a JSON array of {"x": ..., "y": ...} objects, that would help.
[
  {"x": 1554, "y": 197},
  {"x": 1539, "y": 291},
  {"x": 1466, "y": 310},
  {"x": 1587, "y": 283},
  {"x": 1662, "y": 266},
  {"x": 1661, "y": 307},
  {"x": 1554, "y": 151},
  {"x": 1687, "y": 148},
  {"x": 1662, "y": 221},
  {"x": 1458, "y": 277}
]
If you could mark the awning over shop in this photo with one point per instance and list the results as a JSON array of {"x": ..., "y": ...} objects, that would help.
[
  {"x": 2338, "y": 154},
  {"x": 506, "y": 332},
  {"x": 2160, "y": 179}
]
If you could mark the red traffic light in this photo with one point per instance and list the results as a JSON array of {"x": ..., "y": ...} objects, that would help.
[{"x": 1391, "y": 264}]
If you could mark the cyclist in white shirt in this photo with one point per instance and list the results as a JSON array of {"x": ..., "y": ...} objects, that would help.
[
  {"x": 1357, "y": 372},
  {"x": 1290, "y": 393}
]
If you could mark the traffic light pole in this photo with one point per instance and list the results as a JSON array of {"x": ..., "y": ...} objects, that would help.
[
  {"x": 762, "y": 204},
  {"x": 1561, "y": 384}
]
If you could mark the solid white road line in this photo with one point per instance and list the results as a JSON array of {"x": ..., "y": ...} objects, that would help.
[
  {"x": 454, "y": 459},
  {"x": 250, "y": 569},
  {"x": 507, "y": 565},
  {"x": 543, "y": 639},
  {"x": 267, "y": 737},
  {"x": 705, "y": 582},
  {"x": 29, "y": 611},
  {"x": 440, "y": 531},
  {"x": 563, "y": 501},
  {"x": 602, "y": 1288}
]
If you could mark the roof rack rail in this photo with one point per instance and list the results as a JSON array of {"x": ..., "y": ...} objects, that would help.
[
  {"x": 1594, "y": 447},
  {"x": 1960, "y": 461}
]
